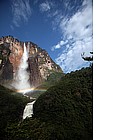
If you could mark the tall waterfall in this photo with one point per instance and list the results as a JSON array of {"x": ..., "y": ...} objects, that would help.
[{"x": 22, "y": 78}]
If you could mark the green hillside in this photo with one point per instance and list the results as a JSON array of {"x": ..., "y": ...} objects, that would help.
[
  {"x": 63, "y": 112},
  {"x": 53, "y": 79},
  {"x": 11, "y": 108},
  {"x": 66, "y": 108}
]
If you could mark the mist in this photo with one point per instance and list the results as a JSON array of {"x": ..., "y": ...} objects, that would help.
[{"x": 22, "y": 78}]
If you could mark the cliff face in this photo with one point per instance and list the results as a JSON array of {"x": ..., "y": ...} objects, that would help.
[{"x": 40, "y": 65}]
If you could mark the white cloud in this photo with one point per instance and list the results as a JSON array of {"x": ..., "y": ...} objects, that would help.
[
  {"x": 79, "y": 25},
  {"x": 21, "y": 11},
  {"x": 44, "y": 6},
  {"x": 59, "y": 45},
  {"x": 78, "y": 31},
  {"x": 63, "y": 42}
]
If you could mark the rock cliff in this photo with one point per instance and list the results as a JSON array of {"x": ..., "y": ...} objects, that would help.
[{"x": 40, "y": 64}]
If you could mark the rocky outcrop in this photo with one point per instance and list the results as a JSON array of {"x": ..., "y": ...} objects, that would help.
[{"x": 40, "y": 63}]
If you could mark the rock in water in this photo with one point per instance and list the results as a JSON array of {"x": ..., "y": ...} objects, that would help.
[{"x": 40, "y": 64}]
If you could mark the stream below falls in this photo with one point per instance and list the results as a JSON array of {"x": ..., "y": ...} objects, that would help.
[{"x": 28, "y": 111}]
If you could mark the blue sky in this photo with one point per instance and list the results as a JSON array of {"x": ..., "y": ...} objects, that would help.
[{"x": 62, "y": 27}]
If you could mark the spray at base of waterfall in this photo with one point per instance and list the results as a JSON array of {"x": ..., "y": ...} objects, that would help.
[{"x": 21, "y": 81}]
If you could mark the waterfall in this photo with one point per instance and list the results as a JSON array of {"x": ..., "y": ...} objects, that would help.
[
  {"x": 28, "y": 111},
  {"x": 22, "y": 78}
]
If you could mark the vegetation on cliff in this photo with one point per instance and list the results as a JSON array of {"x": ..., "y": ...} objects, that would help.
[{"x": 52, "y": 79}]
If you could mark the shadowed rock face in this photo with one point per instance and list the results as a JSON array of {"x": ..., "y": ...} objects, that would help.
[{"x": 40, "y": 63}]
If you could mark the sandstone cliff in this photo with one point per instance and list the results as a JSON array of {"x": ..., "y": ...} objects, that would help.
[{"x": 40, "y": 63}]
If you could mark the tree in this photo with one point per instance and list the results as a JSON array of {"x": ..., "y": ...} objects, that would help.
[{"x": 89, "y": 58}]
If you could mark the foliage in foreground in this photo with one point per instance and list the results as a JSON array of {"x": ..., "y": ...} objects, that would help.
[
  {"x": 67, "y": 107},
  {"x": 11, "y": 109},
  {"x": 64, "y": 112}
]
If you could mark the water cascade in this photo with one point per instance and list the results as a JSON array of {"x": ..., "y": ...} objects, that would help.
[
  {"x": 22, "y": 78},
  {"x": 22, "y": 84},
  {"x": 28, "y": 111}
]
